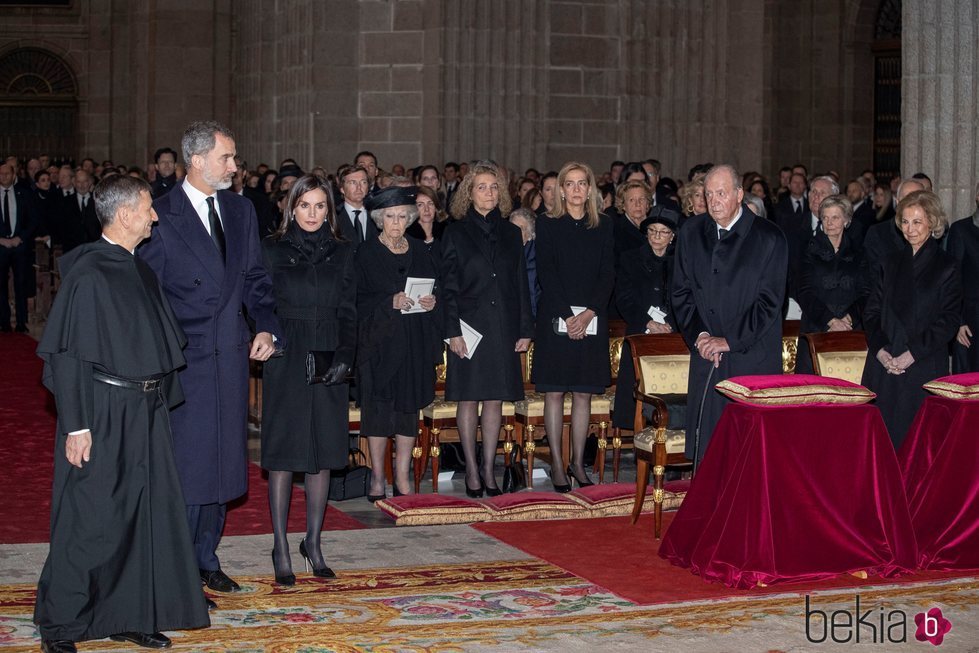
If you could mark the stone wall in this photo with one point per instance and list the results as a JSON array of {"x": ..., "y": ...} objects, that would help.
[{"x": 940, "y": 96}]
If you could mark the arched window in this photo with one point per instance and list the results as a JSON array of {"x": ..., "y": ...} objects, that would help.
[{"x": 38, "y": 104}]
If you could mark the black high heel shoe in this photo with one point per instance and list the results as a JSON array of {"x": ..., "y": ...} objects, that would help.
[
  {"x": 584, "y": 483},
  {"x": 322, "y": 572},
  {"x": 490, "y": 491},
  {"x": 286, "y": 580},
  {"x": 477, "y": 493},
  {"x": 376, "y": 497},
  {"x": 560, "y": 489}
]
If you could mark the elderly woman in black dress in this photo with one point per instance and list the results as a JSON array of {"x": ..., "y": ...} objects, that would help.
[
  {"x": 576, "y": 271},
  {"x": 643, "y": 283},
  {"x": 484, "y": 285},
  {"x": 398, "y": 344},
  {"x": 832, "y": 290},
  {"x": 304, "y": 427},
  {"x": 912, "y": 314}
]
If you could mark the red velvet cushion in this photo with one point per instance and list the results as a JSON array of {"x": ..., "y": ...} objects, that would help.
[
  {"x": 793, "y": 390},
  {"x": 956, "y": 386},
  {"x": 427, "y": 509},
  {"x": 533, "y": 505}
]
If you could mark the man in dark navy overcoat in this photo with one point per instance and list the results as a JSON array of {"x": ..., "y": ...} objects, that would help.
[{"x": 205, "y": 250}]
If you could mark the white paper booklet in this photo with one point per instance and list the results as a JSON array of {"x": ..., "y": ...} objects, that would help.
[
  {"x": 471, "y": 336},
  {"x": 657, "y": 315},
  {"x": 416, "y": 288},
  {"x": 590, "y": 330}
]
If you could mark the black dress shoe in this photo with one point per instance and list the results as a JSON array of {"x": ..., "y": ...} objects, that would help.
[
  {"x": 146, "y": 640},
  {"x": 218, "y": 581},
  {"x": 211, "y": 605},
  {"x": 58, "y": 646}
]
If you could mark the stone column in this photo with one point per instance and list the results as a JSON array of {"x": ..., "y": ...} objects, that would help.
[{"x": 939, "y": 96}]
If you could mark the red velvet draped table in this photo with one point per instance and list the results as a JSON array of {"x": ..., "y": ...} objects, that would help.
[
  {"x": 794, "y": 493},
  {"x": 940, "y": 463}
]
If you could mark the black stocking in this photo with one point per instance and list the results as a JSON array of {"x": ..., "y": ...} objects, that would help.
[
  {"x": 580, "y": 418},
  {"x": 317, "y": 492},
  {"x": 554, "y": 425},
  {"x": 490, "y": 422},
  {"x": 280, "y": 494},
  {"x": 466, "y": 423}
]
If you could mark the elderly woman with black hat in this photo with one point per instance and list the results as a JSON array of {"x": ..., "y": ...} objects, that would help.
[
  {"x": 642, "y": 285},
  {"x": 399, "y": 339}
]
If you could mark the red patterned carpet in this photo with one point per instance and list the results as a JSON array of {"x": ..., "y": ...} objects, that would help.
[
  {"x": 27, "y": 424},
  {"x": 622, "y": 558}
]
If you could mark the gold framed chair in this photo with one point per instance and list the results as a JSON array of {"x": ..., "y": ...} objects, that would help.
[
  {"x": 662, "y": 364},
  {"x": 839, "y": 354}
]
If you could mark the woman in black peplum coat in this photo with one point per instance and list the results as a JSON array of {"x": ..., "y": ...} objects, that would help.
[
  {"x": 484, "y": 284},
  {"x": 575, "y": 268}
]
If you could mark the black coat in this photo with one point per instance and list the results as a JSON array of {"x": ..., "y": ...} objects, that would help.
[
  {"x": 626, "y": 235},
  {"x": 163, "y": 185},
  {"x": 832, "y": 283},
  {"x": 73, "y": 226},
  {"x": 575, "y": 267},
  {"x": 963, "y": 245},
  {"x": 915, "y": 306},
  {"x": 484, "y": 283},
  {"x": 880, "y": 241},
  {"x": 305, "y": 427},
  {"x": 397, "y": 352},
  {"x": 267, "y": 214},
  {"x": 731, "y": 288},
  {"x": 643, "y": 280}
]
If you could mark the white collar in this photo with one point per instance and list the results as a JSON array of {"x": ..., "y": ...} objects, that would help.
[{"x": 196, "y": 197}]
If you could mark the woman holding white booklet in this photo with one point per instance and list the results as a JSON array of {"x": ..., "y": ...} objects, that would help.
[
  {"x": 399, "y": 334},
  {"x": 576, "y": 271},
  {"x": 484, "y": 288}
]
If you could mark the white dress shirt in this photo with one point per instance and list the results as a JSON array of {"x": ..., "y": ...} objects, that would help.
[
  {"x": 363, "y": 217},
  {"x": 199, "y": 201}
]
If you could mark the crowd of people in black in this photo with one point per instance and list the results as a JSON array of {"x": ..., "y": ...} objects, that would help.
[{"x": 547, "y": 258}]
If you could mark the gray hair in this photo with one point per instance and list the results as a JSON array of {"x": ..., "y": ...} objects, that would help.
[
  {"x": 377, "y": 215},
  {"x": 729, "y": 169},
  {"x": 834, "y": 186},
  {"x": 198, "y": 138},
  {"x": 841, "y": 202},
  {"x": 116, "y": 192},
  {"x": 756, "y": 205},
  {"x": 527, "y": 215}
]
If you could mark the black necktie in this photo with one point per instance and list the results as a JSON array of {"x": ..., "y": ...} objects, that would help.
[
  {"x": 84, "y": 202},
  {"x": 360, "y": 230},
  {"x": 798, "y": 207},
  {"x": 217, "y": 233},
  {"x": 721, "y": 232},
  {"x": 5, "y": 226}
]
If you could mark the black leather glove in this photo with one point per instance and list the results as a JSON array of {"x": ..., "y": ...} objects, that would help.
[{"x": 337, "y": 373}]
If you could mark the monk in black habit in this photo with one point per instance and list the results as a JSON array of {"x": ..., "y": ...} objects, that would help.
[{"x": 120, "y": 563}]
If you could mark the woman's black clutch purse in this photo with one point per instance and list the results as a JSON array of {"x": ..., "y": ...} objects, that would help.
[{"x": 317, "y": 365}]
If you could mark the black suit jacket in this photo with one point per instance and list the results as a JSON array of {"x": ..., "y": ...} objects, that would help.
[
  {"x": 75, "y": 226},
  {"x": 25, "y": 216},
  {"x": 347, "y": 224}
]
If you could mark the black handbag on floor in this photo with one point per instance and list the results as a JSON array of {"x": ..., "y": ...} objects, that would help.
[
  {"x": 514, "y": 474},
  {"x": 351, "y": 481}
]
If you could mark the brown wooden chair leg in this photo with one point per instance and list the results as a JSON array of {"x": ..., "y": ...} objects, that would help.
[
  {"x": 435, "y": 450},
  {"x": 600, "y": 456},
  {"x": 529, "y": 447},
  {"x": 418, "y": 458},
  {"x": 616, "y": 456},
  {"x": 659, "y": 472},
  {"x": 642, "y": 480},
  {"x": 507, "y": 443}
]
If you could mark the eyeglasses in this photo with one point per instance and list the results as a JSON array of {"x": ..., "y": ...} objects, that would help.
[{"x": 659, "y": 233}]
